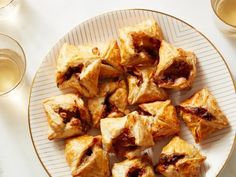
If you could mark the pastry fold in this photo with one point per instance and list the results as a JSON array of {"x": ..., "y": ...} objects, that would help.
[
  {"x": 180, "y": 159},
  {"x": 67, "y": 116},
  {"x": 126, "y": 136},
  {"x": 176, "y": 69},
  {"x": 110, "y": 102},
  {"x": 138, "y": 167},
  {"x": 202, "y": 114},
  {"x": 161, "y": 119},
  {"x": 142, "y": 89},
  {"x": 139, "y": 44},
  {"x": 86, "y": 157}
]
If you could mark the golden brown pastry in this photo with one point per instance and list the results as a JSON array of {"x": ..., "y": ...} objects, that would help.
[
  {"x": 142, "y": 89},
  {"x": 177, "y": 67},
  {"x": 67, "y": 116},
  {"x": 126, "y": 136},
  {"x": 110, "y": 102},
  {"x": 180, "y": 159},
  {"x": 139, "y": 44},
  {"x": 138, "y": 167},
  {"x": 202, "y": 114},
  {"x": 161, "y": 119},
  {"x": 79, "y": 68},
  {"x": 86, "y": 157}
]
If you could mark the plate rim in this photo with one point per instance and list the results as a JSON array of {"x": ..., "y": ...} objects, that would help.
[{"x": 107, "y": 12}]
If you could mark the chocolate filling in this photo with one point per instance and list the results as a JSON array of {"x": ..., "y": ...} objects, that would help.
[
  {"x": 135, "y": 172},
  {"x": 124, "y": 142},
  {"x": 166, "y": 160},
  {"x": 73, "y": 71},
  {"x": 198, "y": 111},
  {"x": 176, "y": 70},
  {"x": 136, "y": 74},
  {"x": 109, "y": 108},
  {"x": 86, "y": 155},
  {"x": 146, "y": 44},
  {"x": 67, "y": 115},
  {"x": 143, "y": 112}
]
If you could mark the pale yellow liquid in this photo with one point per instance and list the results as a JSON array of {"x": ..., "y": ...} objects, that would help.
[
  {"x": 227, "y": 11},
  {"x": 9, "y": 73},
  {"x": 4, "y": 3}
]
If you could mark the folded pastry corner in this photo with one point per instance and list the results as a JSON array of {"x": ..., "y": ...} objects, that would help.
[
  {"x": 139, "y": 44},
  {"x": 110, "y": 102},
  {"x": 142, "y": 89},
  {"x": 86, "y": 157},
  {"x": 126, "y": 136},
  {"x": 202, "y": 114},
  {"x": 134, "y": 168},
  {"x": 178, "y": 158},
  {"x": 177, "y": 67},
  {"x": 161, "y": 118},
  {"x": 78, "y": 67},
  {"x": 67, "y": 116}
]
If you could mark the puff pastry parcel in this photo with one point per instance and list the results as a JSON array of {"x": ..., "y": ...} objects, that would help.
[
  {"x": 67, "y": 116},
  {"x": 142, "y": 89},
  {"x": 202, "y": 114},
  {"x": 126, "y": 136},
  {"x": 161, "y": 119},
  {"x": 180, "y": 159},
  {"x": 139, "y": 44},
  {"x": 86, "y": 157},
  {"x": 110, "y": 102},
  {"x": 177, "y": 67},
  {"x": 78, "y": 67},
  {"x": 138, "y": 167}
]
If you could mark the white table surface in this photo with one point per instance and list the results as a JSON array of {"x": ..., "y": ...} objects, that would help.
[{"x": 38, "y": 25}]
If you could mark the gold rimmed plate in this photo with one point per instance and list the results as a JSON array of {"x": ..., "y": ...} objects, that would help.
[{"x": 212, "y": 73}]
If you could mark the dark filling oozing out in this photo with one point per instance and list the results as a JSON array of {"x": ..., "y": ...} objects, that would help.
[
  {"x": 67, "y": 115},
  {"x": 136, "y": 74},
  {"x": 176, "y": 70},
  {"x": 135, "y": 172},
  {"x": 86, "y": 155},
  {"x": 109, "y": 108},
  {"x": 124, "y": 142},
  {"x": 198, "y": 111},
  {"x": 143, "y": 112},
  {"x": 166, "y": 160},
  {"x": 146, "y": 44},
  {"x": 73, "y": 71}
]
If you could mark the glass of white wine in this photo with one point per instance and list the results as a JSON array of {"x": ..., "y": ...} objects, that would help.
[
  {"x": 12, "y": 64},
  {"x": 225, "y": 15}
]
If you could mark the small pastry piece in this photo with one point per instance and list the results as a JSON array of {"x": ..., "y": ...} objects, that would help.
[
  {"x": 138, "y": 167},
  {"x": 180, "y": 159},
  {"x": 86, "y": 157},
  {"x": 126, "y": 136},
  {"x": 202, "y": 114},
  {"x": 176, "y": 69},
  {"x": 142, "y": 89},
  {"x": 110, "y": 102},
  {"x": 67, "y": 116},
  {"x": 139, "y": 44},
  {"x": 79, "y": 68},
  {"x": 161, "y": 118}
]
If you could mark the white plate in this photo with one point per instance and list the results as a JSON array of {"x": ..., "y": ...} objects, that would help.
[{"x": 212, "y": 73}]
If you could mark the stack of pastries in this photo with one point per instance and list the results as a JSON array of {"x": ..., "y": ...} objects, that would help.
[{"x": 121, "y": 90}]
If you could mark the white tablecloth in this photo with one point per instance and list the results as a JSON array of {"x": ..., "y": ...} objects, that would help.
[{"x": 38, "y": 25}]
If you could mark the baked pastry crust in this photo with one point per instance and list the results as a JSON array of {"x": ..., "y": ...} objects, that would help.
[
  {"x": 126, "y": 136},
  {"x": 202, "y": 114},
  {"x": 110, "y": 102},
  {"x": 135, "y": 167},
  {"x": 177, "y": 67},
  {"x": 67, "y": 116},
  {"x": 139, "y": 44},
  {"x": 180, "y": 159},
  {"x": 161, "y": 119},
  {"x": 142, "y": 89},
  {"x": 86, "y": 157},
  {"x": 78, "y": 67}
]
